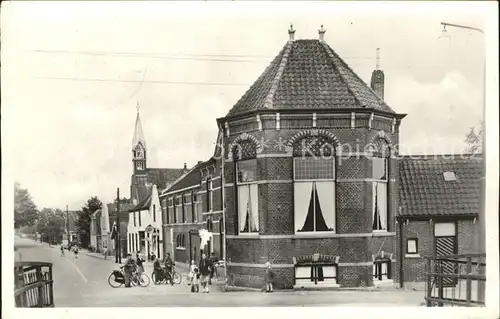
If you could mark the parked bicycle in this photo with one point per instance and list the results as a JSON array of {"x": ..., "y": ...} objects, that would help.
[
  {"x": 163, "y": 276},
  {"x": 117, "y": 278}
]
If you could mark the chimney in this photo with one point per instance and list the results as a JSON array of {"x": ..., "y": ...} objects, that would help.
[
  {"x": 291, "y": 33},
  {"x": 321, "y": 34},
  {"x": 185, "y": 166},
  {"x": 378, "y": 78},
  {"x": 199, "y": 162}
]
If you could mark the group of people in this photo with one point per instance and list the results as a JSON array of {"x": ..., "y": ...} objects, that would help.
[
  {"x": 203, "y": 273},
  {"x": 74, "y": 249}
]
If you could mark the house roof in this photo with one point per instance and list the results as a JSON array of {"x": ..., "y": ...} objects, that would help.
[
  {"x": 72, "y": 218},
  {"x": 191, "y": 178},
  {"x": 308, "y": 74},
  {"x": 423, "y": 190},
  {"x": 144, "y": 204},
  {"x": 124, "y": 209},
  {"x": 163, "y": 176}
]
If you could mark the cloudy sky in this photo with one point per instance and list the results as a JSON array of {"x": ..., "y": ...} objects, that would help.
[{"x": 72, "y": 74}]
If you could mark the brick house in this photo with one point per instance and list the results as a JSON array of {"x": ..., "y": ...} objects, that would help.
[
  {"x": 311, "y": 173},
  {"x": 190, "y": 204},
  {"x": 439, "y": 198}
]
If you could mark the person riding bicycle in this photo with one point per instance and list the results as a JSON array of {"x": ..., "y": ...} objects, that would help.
[
  {"x": 129, "y": 269},
  {"x": 169, "y": 263},
  {"x": 157, "y": 270}
]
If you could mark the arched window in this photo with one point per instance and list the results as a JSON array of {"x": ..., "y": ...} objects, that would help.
[
  {"x": 245, "y": 159},
  {"x": 380, "y": 171},
  {"x": 314, "y": 184}
]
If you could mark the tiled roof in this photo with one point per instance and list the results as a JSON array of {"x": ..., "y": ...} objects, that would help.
[
  {"x": 72, "y": 218},
  {"x": 192, "y": 178},
  {"x": 423, "y": 190},
  {"x": 124, "y": 208},
  {"x": 308, "y": 74},
  {"x": 161, "y": 176}
]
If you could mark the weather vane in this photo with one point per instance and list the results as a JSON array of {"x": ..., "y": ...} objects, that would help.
[{"x": 138, "y": 106}]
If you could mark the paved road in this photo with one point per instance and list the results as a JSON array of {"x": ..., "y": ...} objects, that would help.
[{"x": 83, "y": 283}]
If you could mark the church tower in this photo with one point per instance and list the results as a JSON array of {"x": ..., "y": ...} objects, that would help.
[{"x": 139, "y": 147}]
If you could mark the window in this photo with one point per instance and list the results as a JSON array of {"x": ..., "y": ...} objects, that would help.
[
  {"x": 180, "y": 241},
  {"x": 140, "y": 165},
  {"x": 315, "y": 275},
  {"x": 449, "y": 176},
  {"x": 412, "y": 246},
  {"x": 379, "y": 193},
  {"x": 139, "y": 213},
  {"x": 381, "y": 269},
  {"x": 194, "y": 199},
  {"x": 209, "y": 194},
  {"x": 314, "y": 194},
  {"x": 247, "y": 171},
  {"x": 178, "y": 210},
  {"x": 187, "y": 207},
  {"x": 154, "y": 212},
  {"x": 139, "y": 153},
  {"x": 170, "y": 211},
  {"x": 199, "y": 208},
  {"x": 135, "y": 222}
]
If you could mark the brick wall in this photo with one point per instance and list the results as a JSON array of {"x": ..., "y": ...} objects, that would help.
[
  {"x": 276, "y": 217},
  {"x": 414, "y": 266}
]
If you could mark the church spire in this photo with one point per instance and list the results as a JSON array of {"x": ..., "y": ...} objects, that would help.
[{"x": 138, "y": 133}]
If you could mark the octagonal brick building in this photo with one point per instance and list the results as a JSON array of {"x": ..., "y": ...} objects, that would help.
[{"x": 310, "y": 174}]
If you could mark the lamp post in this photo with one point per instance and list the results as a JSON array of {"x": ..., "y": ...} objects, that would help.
[{"x": 482, "y": 210}]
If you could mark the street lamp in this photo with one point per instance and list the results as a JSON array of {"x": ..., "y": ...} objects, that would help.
[{"x": 482, "y": 210}]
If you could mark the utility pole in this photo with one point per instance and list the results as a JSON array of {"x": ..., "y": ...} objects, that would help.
[
  {"x": 482, "y": 210},
  {"x": 117, "y": 234}
]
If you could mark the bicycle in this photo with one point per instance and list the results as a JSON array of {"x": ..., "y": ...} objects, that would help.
[
  {"x": 175, "y": 277},
  {"x": 117, "y": 278}
]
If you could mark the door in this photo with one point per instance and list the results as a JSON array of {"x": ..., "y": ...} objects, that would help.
[{"x": 445, "y": 244}]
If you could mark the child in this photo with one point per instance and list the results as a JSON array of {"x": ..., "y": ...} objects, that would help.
[
  {"x": 195, "y": 281},
  {"x": 269, "y": 278},
  {"x": 191, "y": 272}
]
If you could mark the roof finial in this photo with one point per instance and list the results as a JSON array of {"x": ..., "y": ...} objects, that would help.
[
  {"x": 138, "y": 107},
  {"x": 377, "y": 66},
  {"x": 291, "y": 32},
  {"x": 322, "y": 34}
]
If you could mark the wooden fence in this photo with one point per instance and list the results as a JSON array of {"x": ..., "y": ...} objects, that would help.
[
  {"x": 33, "y": 285},
  {"x": 455, "y": 280}
]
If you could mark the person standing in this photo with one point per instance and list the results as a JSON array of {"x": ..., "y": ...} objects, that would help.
[
  {"x": 128, "y": 270},
  {"x": 169, "y": 263},
  {"x": 157, "y": 271},
  {"x": 213, "y": 267},
  {"x": 191, "y": 272},
  {"x": 62, "y": 250},
  {"x": 269, "y": 278},
  {"x": 140, "y": 265},
  {"x": 204, "y": 268}
]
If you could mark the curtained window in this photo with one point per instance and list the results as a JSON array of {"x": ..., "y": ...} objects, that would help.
[
  {"x": 170, "y": 211},
  {"x": 248, "y": 196},
  {"x": 379, "y": 193},
  {"x": 381, "y": 269},
  {"x": 314, "y": 194},
  {"x": 315, "y": 275}
]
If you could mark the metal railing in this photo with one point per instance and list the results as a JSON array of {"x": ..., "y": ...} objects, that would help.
[
  {"x": 33, "y": 285},
  {"x": 453, "y": 280}
]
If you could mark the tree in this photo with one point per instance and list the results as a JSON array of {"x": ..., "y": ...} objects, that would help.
[
  {"x": 83, "y": 221},
  {"x": 50, "y": 224},
  {"x": 25, "y": 211},
  {"x": 474, "y": 140}
]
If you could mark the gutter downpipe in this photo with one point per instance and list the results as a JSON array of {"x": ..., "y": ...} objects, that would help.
[
  {"x": 401, "y": 259},
  {"x": 223, "y": 193}
]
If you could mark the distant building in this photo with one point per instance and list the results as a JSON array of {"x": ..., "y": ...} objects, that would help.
[
  {"x": 72, "y": 229},
  {"x": 439, "y": 202},
  {"x": 144, "y": 218}
]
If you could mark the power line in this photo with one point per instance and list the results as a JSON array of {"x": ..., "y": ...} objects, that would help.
[
  {"x": 143, "y": 81},
  {"x": 183, "y": 56}
]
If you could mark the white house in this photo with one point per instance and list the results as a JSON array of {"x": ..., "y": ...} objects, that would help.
[{"x": 144, "y": 233}]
